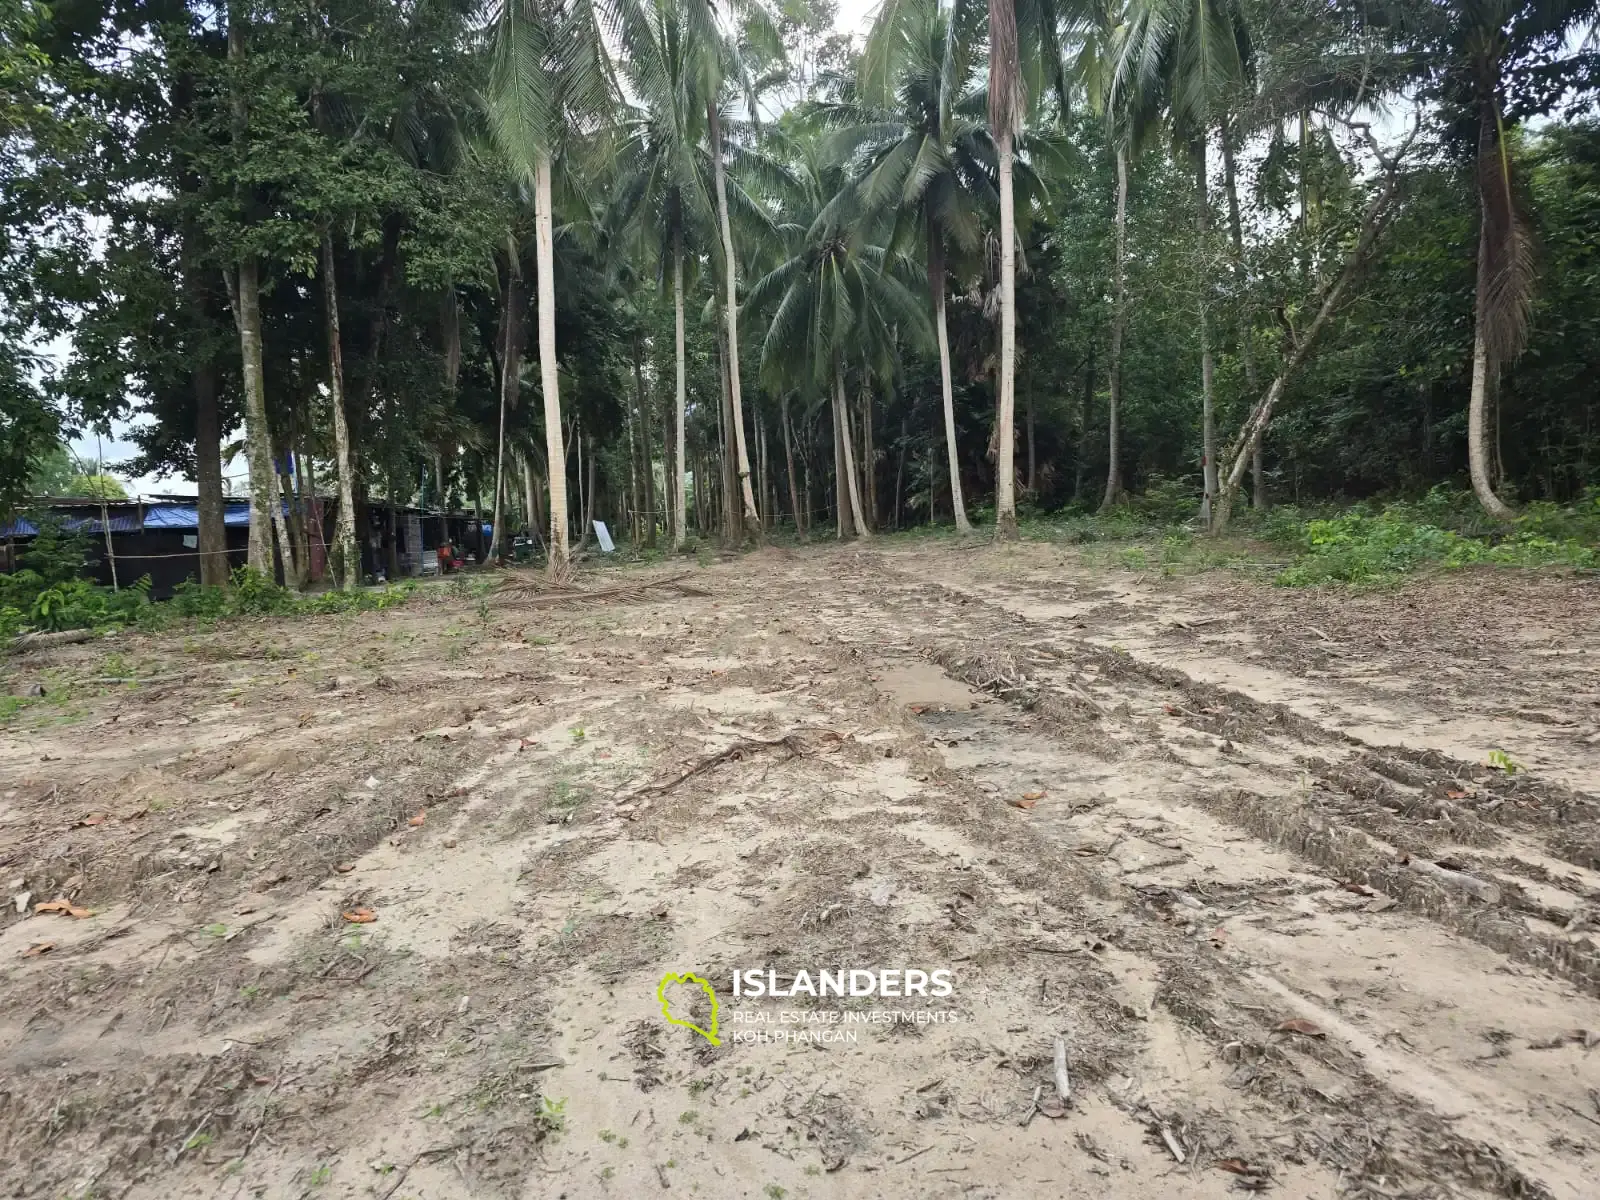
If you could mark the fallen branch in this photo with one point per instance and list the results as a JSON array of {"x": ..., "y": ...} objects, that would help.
[
  {"x": 532, "y": 597},
  {"x": 1063, "y": 1081},
  {"x": 1489, "y": 893},
  {"x": 744, "y": 746},
  {"x": 43, "y": 641}
]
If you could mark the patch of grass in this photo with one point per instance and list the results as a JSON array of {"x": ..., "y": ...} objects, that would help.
[
  {"x": 774, "y": 1191},
  {"x": 1364, "y": 547},
  {"x": 688, "y": 1117},
  {"x": 11, "y": 707},
  {"x": 321, "y": 1176}
]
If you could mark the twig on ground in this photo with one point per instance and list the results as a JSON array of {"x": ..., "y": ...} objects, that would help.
[
  {"x": 1063, "y": 1081},
  {"x": 1173, "y": 1144},
  {"x": 1033, "y": 1105},
  {"x": 744, "y": 746},
  {"x": 193, "y": 1133}
]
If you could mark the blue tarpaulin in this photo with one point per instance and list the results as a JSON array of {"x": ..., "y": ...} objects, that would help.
[{"x": 187, "y": 516}]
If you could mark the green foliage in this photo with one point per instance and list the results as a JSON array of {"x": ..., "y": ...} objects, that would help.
[{"x": 1364, "y": 548}]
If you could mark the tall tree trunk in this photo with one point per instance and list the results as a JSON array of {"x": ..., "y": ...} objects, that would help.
[
  {"x": 869, "y": 466},
  {"x": 346, "y": 554},
  {"x": 788, "y": 460},
  {"x": 1247, "y": 314},
  {"x": 211, "y": 544},
  {"x": 947, "y": 390},
  {"x": 731, "y": 310},
  {"x": 1085, "y": 406},
  {"x": 555, "y": 452},
  {"x": 266, "y": 501},
  {"x": 900, "y": 476},
  {"x": 212, "y": 541},
  {"x": 1483, "y": 367},
  {"x": 841, "y": 482},
  {"x": 732, "y": 519},
  {"x": 647, "y": 458},
  {"x": 510, "y": 384},
  {"x": 532, "y": 496},
  {"x": 1208, "y": 416},
  {"x": 841, "y": 415},
  {"x": 588, "y": 499},
  {"x": 1005, "y": 500},
  {"x": 1119, "y": 325},
  {"x": 765, "y": 506},
  {"x": 1033, "y": 444},
  {"x": 679, "y": 511}
]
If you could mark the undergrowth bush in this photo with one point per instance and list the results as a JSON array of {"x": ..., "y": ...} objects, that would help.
[
  {"x": 1364, "y": 547},
  {"x": 48, "y": 593}
]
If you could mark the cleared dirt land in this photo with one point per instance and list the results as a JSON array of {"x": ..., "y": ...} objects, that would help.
[{"x": 1236, "y": 848}]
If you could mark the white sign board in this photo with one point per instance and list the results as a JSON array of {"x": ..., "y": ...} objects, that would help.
[{"x": 604, "y": 534}]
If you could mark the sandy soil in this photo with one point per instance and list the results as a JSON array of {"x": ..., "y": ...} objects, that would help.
[{"x": 1152, "y": 820}]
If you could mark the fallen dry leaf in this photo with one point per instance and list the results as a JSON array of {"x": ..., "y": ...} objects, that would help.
[
  {"x": 344, "y": 868},
  {"x": 418, "y": 819},
  {"x": 523, "y": 744},
  {"x": 1297, "y": 1025},
  {"x": 1170, "y": 709},
  {"x": 91, "y": 819},
  {"x": 1359, "y": 889},
  {"x": 1381, "y": 904},
  {"x": 65, "y": 907},
  {"x": 1023, "y": 802},
  {"x": 360, "y": 916},
  {"x": 1455, "y": 795},
  {"x": 1033, "y": 795},
  {"x": 918, "y": 709},
  {"x": 1237, "y": 1165},
  {"x": 38, "y": 948}
]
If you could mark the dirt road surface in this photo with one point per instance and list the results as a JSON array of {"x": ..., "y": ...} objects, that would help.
[{"x": 1234, "y": 849}]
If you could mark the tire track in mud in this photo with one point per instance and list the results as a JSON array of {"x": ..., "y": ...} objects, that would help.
[{"x": 1333, "y": 802}]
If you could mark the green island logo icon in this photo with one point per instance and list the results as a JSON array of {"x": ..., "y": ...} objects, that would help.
[{"x": 667, "y": 980}]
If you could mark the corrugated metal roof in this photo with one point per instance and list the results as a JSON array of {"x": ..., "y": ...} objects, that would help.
[{"x": 126, "y": 521}]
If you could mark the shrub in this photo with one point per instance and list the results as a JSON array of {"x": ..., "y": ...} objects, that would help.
[{"x": 1360, "y": 548}]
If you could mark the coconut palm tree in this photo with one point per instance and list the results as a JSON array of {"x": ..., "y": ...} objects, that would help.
[
  {"x": 1481, "y": 45},
  {"x": 1095, "y": 32},
  {"x": 923, "y": 160},
  {"x": 662, "y": 156},
  {"x": 1184, "y": 62},
  {"x": 1024, "y": 58},
  {"x": 838, "y": 296},
  {"x": 549, "y": 83}
]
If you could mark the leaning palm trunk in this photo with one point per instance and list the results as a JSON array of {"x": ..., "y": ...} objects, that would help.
[
  {"x": 1119, "y": 324},
  {"x": 731, "y": 307},
  {"x": 555, "y": 453},
  {"x": 679, "y": 504},
  {"x": 346, "y": 554},
  {"x": 852, "y": 489},
  {"x": 1005, "y": 500},
  {"x": 1241, "y": 452},
  {"x": 936, "y": 288}
]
